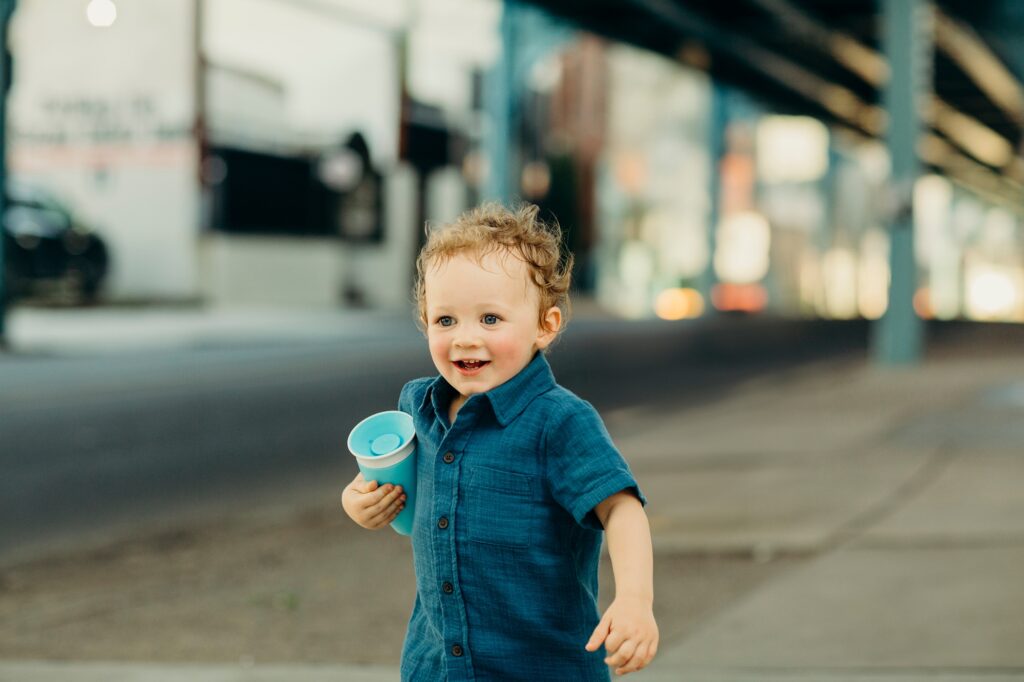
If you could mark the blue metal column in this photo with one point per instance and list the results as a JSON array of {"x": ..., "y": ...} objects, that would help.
[
  {"x": 527, "y": 36},
  {"x": 501, "y": 103},
  {"x": 907, "y": 39},
  {"x": 719, "y": 120},
  {"x": 6, "y": 9}
]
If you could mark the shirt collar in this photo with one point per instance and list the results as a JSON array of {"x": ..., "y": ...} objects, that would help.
[{"x": 508, "y": 400}]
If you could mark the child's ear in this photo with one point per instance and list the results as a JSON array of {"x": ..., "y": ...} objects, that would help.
[{"x": 550, "y": 325}]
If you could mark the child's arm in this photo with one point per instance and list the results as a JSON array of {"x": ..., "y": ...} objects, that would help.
[
  {"x": 627, "y": 629},
  {"x": 369, "y": 506}
]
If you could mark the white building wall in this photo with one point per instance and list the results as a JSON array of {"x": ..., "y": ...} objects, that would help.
[
  {"x": 103, "y": 118},
  {"x": 336, "y": 65},
  {"x": 107, "y": 122}
]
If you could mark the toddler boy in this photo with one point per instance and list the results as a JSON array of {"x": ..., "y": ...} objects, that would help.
[{"x": 516, "y": 476}]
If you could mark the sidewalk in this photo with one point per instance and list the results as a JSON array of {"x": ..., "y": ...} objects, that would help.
[
  {"x": 904, "y": 489},
  {"x": 90, "y": 331},
  {"x": 878, "y": 516}
]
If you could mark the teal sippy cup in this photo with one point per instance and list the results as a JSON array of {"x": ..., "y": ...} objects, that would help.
[{"x": 384, "y": 445}]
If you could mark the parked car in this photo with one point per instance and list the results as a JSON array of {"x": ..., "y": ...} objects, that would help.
[{"x": 47, "y": 251}]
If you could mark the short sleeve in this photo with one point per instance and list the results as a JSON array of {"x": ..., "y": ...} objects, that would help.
[
  {"x": 411, "y": 394},
  {"x": 583, "y": 465}
]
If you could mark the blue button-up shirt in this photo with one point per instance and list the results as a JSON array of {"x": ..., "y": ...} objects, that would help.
[{"x": 505, "y": 542}]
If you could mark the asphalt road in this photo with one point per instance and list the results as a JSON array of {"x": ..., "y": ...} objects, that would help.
[{"x": 88, "y": 443}]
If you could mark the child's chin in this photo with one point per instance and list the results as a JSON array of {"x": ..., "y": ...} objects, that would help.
[{"x": 467, "y": 386}]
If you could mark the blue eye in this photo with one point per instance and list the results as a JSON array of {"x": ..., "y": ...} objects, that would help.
[
  {"x": 446, "y": 321},
  {"x": 490, "y": 319}
]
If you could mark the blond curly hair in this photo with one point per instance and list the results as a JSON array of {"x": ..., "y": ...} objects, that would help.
[{"x": 489, "y": 228}]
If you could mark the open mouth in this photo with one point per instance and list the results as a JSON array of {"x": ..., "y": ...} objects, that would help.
[{"x": 471, "y": 366}]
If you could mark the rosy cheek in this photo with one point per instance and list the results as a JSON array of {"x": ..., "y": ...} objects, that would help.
[
  {"x": 437, "y": 347},
  {"x": 503, "y": 348}
]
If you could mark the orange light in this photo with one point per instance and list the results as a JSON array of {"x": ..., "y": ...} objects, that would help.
[
  {"x": 745, "y": 298},
  {"x": 678, "y": 304},
  {"x": 631, "y": 172},
  {"x": 923, "y": 303}
]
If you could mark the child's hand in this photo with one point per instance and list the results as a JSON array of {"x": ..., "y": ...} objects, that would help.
[
  {"x": 371, "y": 506},
  {"x": 629, "y": 633}
]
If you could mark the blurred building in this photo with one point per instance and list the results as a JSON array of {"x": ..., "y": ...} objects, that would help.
[
  {"x": 264, "y": 152},
  {"x": 288, "y": 152}
]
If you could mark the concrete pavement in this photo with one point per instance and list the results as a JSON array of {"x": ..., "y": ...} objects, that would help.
[
  {"x": 91, "y": 331},
  {"x": 905, "y": 486},
  {"x": 901, "y": 489}
]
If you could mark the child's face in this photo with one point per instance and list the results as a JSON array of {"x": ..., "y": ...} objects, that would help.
[{"x": 482, "y": 320}]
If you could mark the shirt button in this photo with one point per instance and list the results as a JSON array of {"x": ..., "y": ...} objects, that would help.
[
  {"x": 448, "y": 458},
  {"x": 447, "y": 588},
  {"x": 456, "y": 650},
  {"x": 442, "y": 523}
]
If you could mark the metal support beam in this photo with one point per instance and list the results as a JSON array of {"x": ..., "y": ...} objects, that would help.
[
  {"x": 528, "y": 35},
  {"x": 907, "y": 38},
  {"x": 502, "y": 106},
  {"x": 6, "y": 9},
  {"x": 971, "y": 135},
  {"x": 977, "y": 60},
  {"x": 719, "y": 120}
]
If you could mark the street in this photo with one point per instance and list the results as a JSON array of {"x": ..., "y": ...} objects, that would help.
[{"x": 97, "y": 442}]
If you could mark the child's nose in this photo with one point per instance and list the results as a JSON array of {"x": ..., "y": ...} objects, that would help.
[{"x": 467, "y": 340}]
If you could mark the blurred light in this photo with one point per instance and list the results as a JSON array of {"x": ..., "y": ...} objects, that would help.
[
  {"x": 475, "y": 168},
  {"x": 999, "y": 231},
  {"x": 101, "y": 13},
  {"x": 631, "y": 172},
  {"x": 873, "y": 275},
  {"x": 969, "y": 133},
  {"x": 791, "y": 149},
  {"x": 933, "y": 197},
  {"x": 793, "y": 207},
  {"x": 945, "y": 281},
  {"x": 636, "y": 264},
  {"x": 536, "y": 180},
  {"x": 859, "y": 58},
  {"x": 839, "y": 272},
  {"x": 992, "y": 293},
  {"x": 546, "y": 74},
  {"x": 742, "y": 253},
  {"x": 746, "y": 298},
  {"x": 873, "y": 158},
  {"x": 923, "y": 303},
  {"x": 739, "y": 177},
  {"x": 679, "y": 304},
  {"x": 968, "y": 216},
  {"x": 341, "y": 170},
  {"x": 810, "y": 281}
]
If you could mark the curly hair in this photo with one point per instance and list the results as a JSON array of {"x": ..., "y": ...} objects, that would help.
[{"x": 489, "y": 228}]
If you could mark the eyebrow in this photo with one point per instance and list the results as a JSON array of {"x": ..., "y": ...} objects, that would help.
[{"x": 482, "y": 306}]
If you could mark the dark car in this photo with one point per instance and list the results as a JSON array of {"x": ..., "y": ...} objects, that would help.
[{"x": 47, "y": 251}]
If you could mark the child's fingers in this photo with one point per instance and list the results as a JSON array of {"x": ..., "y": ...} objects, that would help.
[
  {"x": 638, "y": 661},
  {"x": 387, "y": 513},
  {"x": 365, "y": 486},
  {"x": 623, "y": 652},
  {"x": 613, "y": 641},
  {"x": 388, "y": 495},
  {"x": 373, "y": 500},
  {"x": 600, "y": 632}
]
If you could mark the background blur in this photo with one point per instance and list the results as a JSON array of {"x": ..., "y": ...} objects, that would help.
[{"x": 799, "y": 237}]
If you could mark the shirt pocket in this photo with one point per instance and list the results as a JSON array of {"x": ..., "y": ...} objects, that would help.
[{"x": 498, "y": 507}]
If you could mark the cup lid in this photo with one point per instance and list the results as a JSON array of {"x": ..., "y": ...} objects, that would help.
[{"x": 385, "y": 443}]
